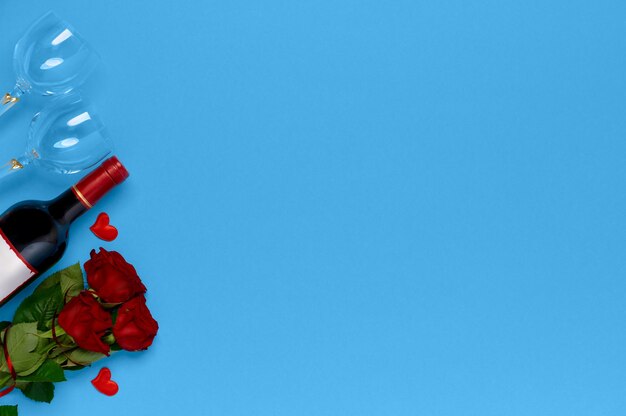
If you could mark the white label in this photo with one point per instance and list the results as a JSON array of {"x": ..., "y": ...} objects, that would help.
[{"x": 14, "y": 272}]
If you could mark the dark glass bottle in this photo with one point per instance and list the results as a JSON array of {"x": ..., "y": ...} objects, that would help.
[{"x": 34, "y": 234}]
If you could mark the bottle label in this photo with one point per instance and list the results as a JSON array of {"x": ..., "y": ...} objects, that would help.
[{"x": 14, "y": 270}]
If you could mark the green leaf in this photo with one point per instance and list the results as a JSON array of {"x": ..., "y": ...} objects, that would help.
[
  {"x": 75, "y": 367},
  {"x": 44, "y": 345},
  {"x": 3, "y": 362},
  {"x": 59, "y": 350},
  {"x": 4, "y": 324},
  {"x": 71, "y": 280},
  {"x": 83, "y": 357},
  {"x": 8, "y": 410},
  {"x": 5, "y": 379},
  {"x": 71, "y": 275},
  {"x": 61, "y": 360},
  {"x": 40, "y": 307},
  {"x": 40, "y": 360},
  {"x": 58, "y": 332},
  {"x": 21, "y": 340},
  {"x": 40, "y": 392},
  {"x": 51, "y": 281},
  {"x": 48, "y": 371}
]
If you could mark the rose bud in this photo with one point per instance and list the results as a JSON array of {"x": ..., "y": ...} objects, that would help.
[
  {"x": 113, "y": 279},
  {"x": 85, "y": 320},
  {"x": 135, "y": 328}
]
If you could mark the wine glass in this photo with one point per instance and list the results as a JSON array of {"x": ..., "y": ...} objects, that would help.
[
  {"x": 52, "y": 58},
  {"x": 66, "y": 137}
]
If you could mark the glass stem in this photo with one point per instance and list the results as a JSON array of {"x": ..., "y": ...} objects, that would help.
[
  {"x": 9, "y": 99},
  {"x": 13, "y": 165}
]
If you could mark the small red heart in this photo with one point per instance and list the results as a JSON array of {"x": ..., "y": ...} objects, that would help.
[
  {"x": 102, "y": 229},
  {"x": 104, "y": 384}
]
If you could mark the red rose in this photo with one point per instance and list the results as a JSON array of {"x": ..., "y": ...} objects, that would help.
[
  {"x": 85, "y": 320},
  {"x": 113, "y": 279},
  {"x": 135, "y": 328}
]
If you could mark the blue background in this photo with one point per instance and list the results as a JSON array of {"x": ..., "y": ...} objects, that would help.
[{"x": 357, "y": 207}]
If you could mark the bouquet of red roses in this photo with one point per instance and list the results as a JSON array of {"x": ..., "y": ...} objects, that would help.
[{"x": 64, "y": 325}]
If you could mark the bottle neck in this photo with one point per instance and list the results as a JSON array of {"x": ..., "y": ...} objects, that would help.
[
  {"x": 66, "y": 208},
  {"x": 87, "y": 192}
]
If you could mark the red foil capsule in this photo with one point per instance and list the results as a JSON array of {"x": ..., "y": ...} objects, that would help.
[{"x": 95, "y": 185}]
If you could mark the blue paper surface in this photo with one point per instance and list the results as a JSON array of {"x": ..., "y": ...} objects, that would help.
[{"x": 356, "y": 207}]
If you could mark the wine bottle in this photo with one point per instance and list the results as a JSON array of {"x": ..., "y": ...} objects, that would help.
[{"x": 34, "y": 234}]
